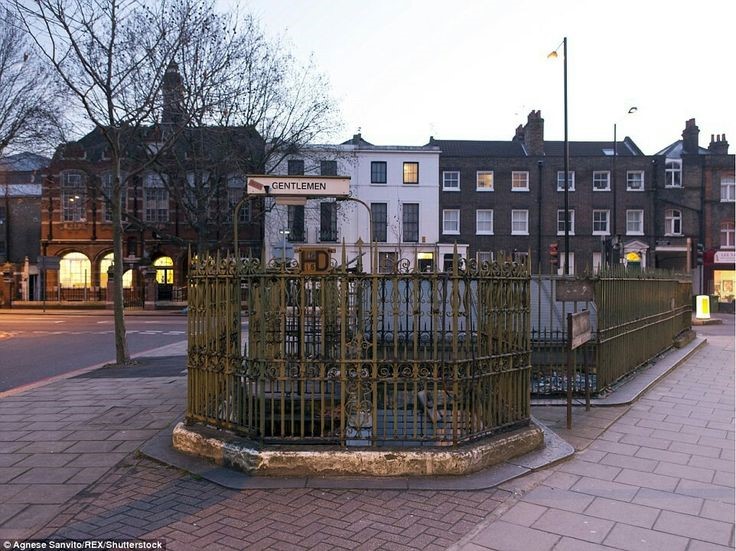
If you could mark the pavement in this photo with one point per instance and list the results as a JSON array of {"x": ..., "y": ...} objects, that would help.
[{"x": 655, "y": 473}]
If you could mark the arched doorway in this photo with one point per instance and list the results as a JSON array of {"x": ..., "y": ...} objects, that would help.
[
  {"x": 164, "y": 277},
  {"x": 75, "y": 273}
]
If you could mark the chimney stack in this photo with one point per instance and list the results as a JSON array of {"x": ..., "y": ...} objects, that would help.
[
  {"x": 719, "y": 145},
  {"x": 690, "y": 137},
  {"x": 533, "y": 133}
]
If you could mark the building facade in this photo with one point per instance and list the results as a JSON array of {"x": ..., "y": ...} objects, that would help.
[
  {"x": 20, "y": 225},
  {"x": 394, "y": 194},
  {"x": 694, "y": 211},
  {"x": 509, "y": 196}
]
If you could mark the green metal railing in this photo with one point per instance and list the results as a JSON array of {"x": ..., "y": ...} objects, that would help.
[
  {"x": 636, "y": 316},
  {"x": 352, "y": 358}
]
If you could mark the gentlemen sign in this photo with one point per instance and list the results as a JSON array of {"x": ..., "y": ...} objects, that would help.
[{"x": 300, "y": 186}]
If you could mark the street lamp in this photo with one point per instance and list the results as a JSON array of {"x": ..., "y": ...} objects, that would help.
[
  {"x": 614, "y": 235},
  {"x": 553, "y": 55}
]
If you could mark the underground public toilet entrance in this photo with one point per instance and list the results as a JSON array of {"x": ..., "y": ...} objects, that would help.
[{"x": 344, "y": 372}]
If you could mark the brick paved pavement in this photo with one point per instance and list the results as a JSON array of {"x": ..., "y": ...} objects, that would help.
[{"x": 660, "y": 477}]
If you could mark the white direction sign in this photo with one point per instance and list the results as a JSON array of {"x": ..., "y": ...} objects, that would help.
[{"x": 299, "y": 186}]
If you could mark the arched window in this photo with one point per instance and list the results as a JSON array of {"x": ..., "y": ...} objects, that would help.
[
  {"x": 105, "y": 264},
  {"x": 75, "y": 270},
  {"x": 164, "y": 270},
  {"x": 73, "y": 196},
  {"x": 673, "y": 222}
]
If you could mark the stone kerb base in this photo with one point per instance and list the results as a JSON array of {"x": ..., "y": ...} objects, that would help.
[{"x": 228, "y": 450}]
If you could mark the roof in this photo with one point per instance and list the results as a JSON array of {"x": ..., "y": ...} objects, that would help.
[
  {"x": 675, "y": 150},
  {"x": 627, "y": 148},
  {"x": 515, "y": 148},
  {"x": 21, "y": 190},
  {"x": 24, "y": 162},
  {"x": 473, "y": 148}
]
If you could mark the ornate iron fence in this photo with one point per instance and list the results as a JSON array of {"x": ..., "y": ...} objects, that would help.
[
  {"x": 635, "y": 316},
  {"x": 351, "y": 358}
]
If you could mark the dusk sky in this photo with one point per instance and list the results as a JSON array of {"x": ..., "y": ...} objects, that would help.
[{"x": 404, "y": 70}]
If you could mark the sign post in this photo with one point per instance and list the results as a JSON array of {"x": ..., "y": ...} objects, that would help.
[
  {"x": 578, "y": 333},
  {"x": 47, "y": 263}
]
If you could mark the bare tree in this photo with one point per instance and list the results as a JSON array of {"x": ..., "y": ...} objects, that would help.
[
  {"x": 30, "y": 94},
  {"x": 113, "y": 56}
]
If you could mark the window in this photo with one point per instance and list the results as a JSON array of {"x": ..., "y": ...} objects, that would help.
[
  {"x": 106, "y": 192},
  {"x": 728, "y": 190},
  {"x": 561, "y": 221},
  {"x": 672, "y": 222},
  {"x": 484, "y": 256},
  {"x": 484, "y": 222},
  {"x": 673, "y": 173},
  {"x": 235, "y": 190},
  {"x": 73, "y": 197},
  {"x": 635, "y": 180},
  {"x": 295, "y": 167},
  {"x": 410, "y": 222},
  {"x": 597, "y": 262},
  {"x": 484, "y": 180},
  {"x": 520, "y": 222},
  {"x": 561, "y": 180},
  {"x": 379, "y": 219},
  {"x": 155, "y": 199},
  {"x": 451, "y": 180},
  {"x": 634, "y": 222},
  {"x": 378, "y": 172},
  {"x": 451, "y": 221},
  {"x": 520, "y": 257},
  {"x": 328, "y": 221},
  {"x": 328, "y": 168},
  {"x": 727, "y": 235},
  {"x": 411, "y": 173},
  {"x": 296, "y": 222},
  {"x": 600, "y": 222},
  {"x": 601, "y": 180},
  {"x": 75, "y": 270},
  {"x": 387, "y": 262},
  {"x": 519, "y": 180}
]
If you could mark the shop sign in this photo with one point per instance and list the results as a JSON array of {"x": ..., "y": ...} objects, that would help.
[{"x": 725, "y": 257}]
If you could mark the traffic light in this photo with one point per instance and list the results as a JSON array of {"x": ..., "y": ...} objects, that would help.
[
  {"x": 554, "y": 254},
  {"x": 699, "y": 250}
]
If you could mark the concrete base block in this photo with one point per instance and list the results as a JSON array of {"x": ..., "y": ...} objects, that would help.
[{"x": 224, "y": 448}]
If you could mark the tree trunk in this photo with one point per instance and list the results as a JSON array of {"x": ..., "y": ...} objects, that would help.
[{"x": 121, "y": 344}]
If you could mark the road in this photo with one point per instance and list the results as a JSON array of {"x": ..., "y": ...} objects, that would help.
[{"x": 37, "y": 346}]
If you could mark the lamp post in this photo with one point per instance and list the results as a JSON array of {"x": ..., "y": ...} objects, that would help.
[
  {"x": 566, "y": 194},
  {"x": 615, "y": 253}
]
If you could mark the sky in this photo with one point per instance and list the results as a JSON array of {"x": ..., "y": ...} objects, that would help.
[{"x": 404, "y": 70}]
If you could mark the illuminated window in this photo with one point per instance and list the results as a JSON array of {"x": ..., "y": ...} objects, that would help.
[
  {"x": 484, "y": 180},
  {"x": 105, "y": 264},
  {"x": 164, "y": 270},
  {"x": 411, "y": 173},
  {"x": 75, "y": 270}
]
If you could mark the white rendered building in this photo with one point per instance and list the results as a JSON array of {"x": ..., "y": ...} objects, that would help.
[{"x": 400, "y": 186}]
